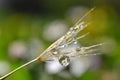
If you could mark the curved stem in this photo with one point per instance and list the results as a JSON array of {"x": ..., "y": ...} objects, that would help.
[{"x": 5, "y": 76}]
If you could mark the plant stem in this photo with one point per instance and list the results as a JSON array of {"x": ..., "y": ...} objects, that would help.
[{"x": 10, "y": 73}]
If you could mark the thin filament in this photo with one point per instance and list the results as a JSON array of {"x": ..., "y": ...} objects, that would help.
[{"x": 10, "y": 73}]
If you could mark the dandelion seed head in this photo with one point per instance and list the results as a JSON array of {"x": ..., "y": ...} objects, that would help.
[{"x": 67, "y": 46}]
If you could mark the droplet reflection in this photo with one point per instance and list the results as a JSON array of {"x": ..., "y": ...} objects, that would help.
[{"x": 64, "y": 60}]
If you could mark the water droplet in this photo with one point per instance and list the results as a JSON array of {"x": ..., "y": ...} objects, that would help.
[
  {"x": 75, "y": 41},
  {"x": 81, "y": 26},
  {"x": 94, "y": 54},
  {"x": 63, "y": 46},
  {"x": 55, "y": 53},
  {"x": 64, "y": 60},
  {"x": 73, "y": 32},
  {"x": 80, "y": 50}
]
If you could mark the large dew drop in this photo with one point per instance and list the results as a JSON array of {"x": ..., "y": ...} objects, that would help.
[{"x": 64, "y": 60}]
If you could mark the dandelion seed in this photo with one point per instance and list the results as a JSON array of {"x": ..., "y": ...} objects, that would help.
[{"x": 64, "y": 48}]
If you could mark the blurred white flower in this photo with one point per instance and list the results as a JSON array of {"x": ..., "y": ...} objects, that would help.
[
  {"x": 17, "y": 49},
  {"x": 79, "y": 66},
  {"x": 4, "y": 67},
  {"x": 95, "y": 62},
  {"x": 54, "y": 30},
  {"x": 53, "y": 67}
]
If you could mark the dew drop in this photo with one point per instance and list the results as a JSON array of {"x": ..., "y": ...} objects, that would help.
[
  {"x": 55, "y": 53},
  {"x": 81, "y": 26},
  {"x": 73, "y": 32},
  {"x": 64, "y": 60},
  {"x": 75, "y": 41},
  {"x": 81, "y": 50},
  {"x": 94, "y": 54},
  {"x": 63, "y": 46}
]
